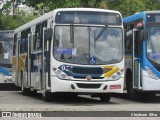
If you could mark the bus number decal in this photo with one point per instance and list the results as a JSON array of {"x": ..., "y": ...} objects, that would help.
[{"x": 65, "y": 68}]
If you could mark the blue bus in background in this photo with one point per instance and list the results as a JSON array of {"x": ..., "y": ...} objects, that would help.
[
  {"x": 142, "y": 58},
  {"x": 6, "y": 45}
]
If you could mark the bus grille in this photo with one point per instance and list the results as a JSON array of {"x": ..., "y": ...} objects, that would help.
[
  {"x": 84, "y": 70},
  {"x": 88, "y": 86},
  {"x": 83, "y": 77}
]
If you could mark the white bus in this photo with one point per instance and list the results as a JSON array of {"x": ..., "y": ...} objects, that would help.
[{"x": 71, "y": 50}]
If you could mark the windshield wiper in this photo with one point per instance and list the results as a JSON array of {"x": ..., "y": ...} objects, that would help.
[{"x": 100, "y": 33}]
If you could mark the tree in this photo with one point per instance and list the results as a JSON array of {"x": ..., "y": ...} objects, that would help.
[
  {"x": 128, "y": 7},
  {"x": 9, "y": 21},
  {"x": 48, "y": 5}
]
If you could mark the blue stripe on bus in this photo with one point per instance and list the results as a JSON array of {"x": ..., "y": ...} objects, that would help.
[{"x": 5, "y": 71}]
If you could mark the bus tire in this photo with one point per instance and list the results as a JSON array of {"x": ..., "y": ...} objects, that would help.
[
  {"x": 47, "y": 96},
  {"x": 105, "y": 97},
  {"x": 133, "y": 94}
]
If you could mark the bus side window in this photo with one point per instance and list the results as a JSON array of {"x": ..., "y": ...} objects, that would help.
[
  {"x": 26, "y": 45},
  {"x": 128, "y": 38},
  {"x": 38, "y": 43},
  {"x": 35, "y": 42},
  {"x": 44, "y": 24},
  {"x": 128, "y": 44},
  {"x": 23, "y": 42},
  {"x": 37, "y": 37},
  {"x": 22, "y": 46},
  {"x": 28, "y": 31},
  {"x": 14, "y": 44}
]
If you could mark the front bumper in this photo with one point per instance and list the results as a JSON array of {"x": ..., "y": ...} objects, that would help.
[{"x": 58, "y": 85}]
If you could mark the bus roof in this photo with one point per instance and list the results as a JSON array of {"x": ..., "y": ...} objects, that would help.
[
  {"x": 137, "y": 16},
  {"x": 49, "y": 15}
]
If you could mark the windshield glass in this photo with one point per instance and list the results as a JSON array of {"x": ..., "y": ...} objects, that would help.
[
  {"x": 6, "y": 44},
  {"x": 153, "y": 42},
  {"x": 88, "y": 45}
]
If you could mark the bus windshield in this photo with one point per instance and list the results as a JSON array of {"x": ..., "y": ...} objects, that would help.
[
  {"x": 88, "y": 45},
  {"x": 6, "y": 43},
  {"x": 153, "y": 42}
]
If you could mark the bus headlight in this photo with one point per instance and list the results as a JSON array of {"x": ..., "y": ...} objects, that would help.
[
  {"x": 61, "y": 75},
  {"x": 117, "y": 75},
  {"x": 151, "y": 73}
]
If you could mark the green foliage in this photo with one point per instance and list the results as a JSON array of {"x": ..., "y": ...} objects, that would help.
[
  {"x": 10, "y": 22},
  {"x": 48, "y": 5},
  {"x": 128, "y": 7},
  {"x": 7, "y": 22}
]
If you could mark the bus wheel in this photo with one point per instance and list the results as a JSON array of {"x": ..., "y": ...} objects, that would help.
[
  {"x": 105, "y": 97},
  {"x": 131, "y": 93},
  {"x": 47, "y": 96}
]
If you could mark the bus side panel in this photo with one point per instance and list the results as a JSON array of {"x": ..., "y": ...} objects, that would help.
[{"x": 148, "y": 83}]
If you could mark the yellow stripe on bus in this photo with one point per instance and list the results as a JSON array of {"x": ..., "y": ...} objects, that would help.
[{"x": 111, "y": 72}]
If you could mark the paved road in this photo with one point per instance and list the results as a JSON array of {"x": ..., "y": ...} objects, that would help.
[{"x": 15, "y": 101}]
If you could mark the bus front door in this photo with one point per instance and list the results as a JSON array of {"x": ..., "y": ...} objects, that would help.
[
  {"x": 136, "y": 60},
  {"x": 43, "y": 72}
]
